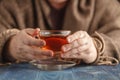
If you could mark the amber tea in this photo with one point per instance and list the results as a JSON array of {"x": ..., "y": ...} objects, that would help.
[
  {"x": 54, "y": 42},
  {"x": 55, "y": 39}
]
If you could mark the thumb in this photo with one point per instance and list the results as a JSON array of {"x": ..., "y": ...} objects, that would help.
[
  {"x": 32, "y": 32},
  {"x": 30, "y": 40}
]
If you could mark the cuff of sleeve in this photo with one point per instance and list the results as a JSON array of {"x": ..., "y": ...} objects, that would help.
[
  {"x": 4, "y": 37},
  {"x": 100, "y": 46}
]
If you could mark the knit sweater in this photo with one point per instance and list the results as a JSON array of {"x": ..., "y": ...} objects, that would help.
[{"x": 100, "y": 18}]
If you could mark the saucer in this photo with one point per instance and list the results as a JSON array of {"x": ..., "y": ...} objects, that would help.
[{"x": 52, "y": 64}]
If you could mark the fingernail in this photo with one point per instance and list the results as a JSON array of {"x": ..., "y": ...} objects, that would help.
[
  {"x": 63, "y": 55},
  {"x": 69, "y": 39},
  {"x": 52, "y": 53},
  {"x": 43, "y": 42},
  {"x": 82, "y": 35},
  {"x": 38, "y": 29},
  {"x": 64, "y": 48}
]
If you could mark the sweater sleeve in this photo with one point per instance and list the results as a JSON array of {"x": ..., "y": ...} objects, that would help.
[
  {"x": 7, "y": 25},
  {"x": 107, "y": 18},
  {"x": 4, "y": 36}
]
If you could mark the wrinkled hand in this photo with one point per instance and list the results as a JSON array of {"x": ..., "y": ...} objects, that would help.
[
  {"x": 24, "y": 47},
  {"x": 81, "y": 46}
]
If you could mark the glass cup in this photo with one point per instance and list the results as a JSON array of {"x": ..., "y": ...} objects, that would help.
[{"x": 55, "y": 39}]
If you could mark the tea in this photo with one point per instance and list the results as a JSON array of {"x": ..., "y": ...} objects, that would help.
[
  {"x": 54, "y": 42},
  {"x": 55, "y": 39}
]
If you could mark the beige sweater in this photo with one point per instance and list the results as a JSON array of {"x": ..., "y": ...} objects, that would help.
[{"x": 100, "y": 18}]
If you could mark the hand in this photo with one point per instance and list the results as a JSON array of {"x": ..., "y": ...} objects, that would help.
[
  {"x": 24, "y": 47},
  {"x": 81, "y": 46}
]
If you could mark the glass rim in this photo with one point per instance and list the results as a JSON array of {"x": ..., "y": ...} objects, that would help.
[{"x": 55, "y": 32}]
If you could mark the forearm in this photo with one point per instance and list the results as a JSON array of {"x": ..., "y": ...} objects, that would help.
[
  {"x": 106, "y": 23},
  {"x": 108, "y": 52},
  {"x": 4, "y": 37}
]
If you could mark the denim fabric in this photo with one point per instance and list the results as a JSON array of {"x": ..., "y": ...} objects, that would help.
[{"x": 29, "y": 72}]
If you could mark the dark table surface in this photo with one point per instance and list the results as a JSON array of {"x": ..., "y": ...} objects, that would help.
[{"x": 28, "y": 72}]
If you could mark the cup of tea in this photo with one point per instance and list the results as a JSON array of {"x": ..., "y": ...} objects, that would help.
[{"x": 55, "y": 39}]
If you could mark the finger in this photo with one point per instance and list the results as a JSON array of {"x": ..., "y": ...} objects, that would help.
[
  {"x": 32, "y": 32},
  {"x": 83, "y": 41},
  {"x": 29, "y": 40},
  {"x": 66, "y": 47},
  {"x": 71, "y": 54},
  {"x": 38, "y": 51},
  {"x": 76, "y": 52},
  {"x": 76, "y": 43},
  {"x": 36, "y": 42},
  {"x": 31, "y": 57},
  {"x": 36, "y": 32},
  {"x": 84, "y": 47},
  {"x": 79, "y": 34},
  {"x": 43, "y": 52},
  {"x": 72, "y": 45},
  {"x": 27, "y": 57}
]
